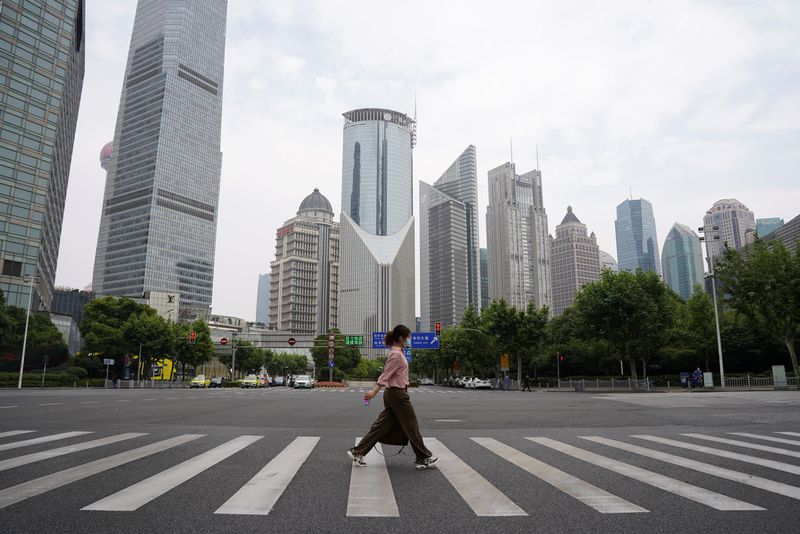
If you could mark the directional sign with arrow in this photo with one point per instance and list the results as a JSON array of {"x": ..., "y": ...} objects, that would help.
[{"x": 424, "y": 340}]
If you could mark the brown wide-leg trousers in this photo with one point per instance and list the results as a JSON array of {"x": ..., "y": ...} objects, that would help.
[{"x": 397, "y": 411}]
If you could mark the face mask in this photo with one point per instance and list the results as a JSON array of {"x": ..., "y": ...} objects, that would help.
[{"x": 407, "y": 343}]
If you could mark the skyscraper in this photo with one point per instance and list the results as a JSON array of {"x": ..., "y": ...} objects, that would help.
[
  {"x": 449, "y": 251},
  {"x": 484, "y": 278},
  {"x": 574, "y": 261},
  {"x": 159, "y": 217},
  {"x": 518, "y": 243},
  {"x": 377, "y": 229},
  {"x": 733, "y": 220},
  {"x": 637, "y": 244},
  {"x": 305, "y": 274},
  {"x": 41, "y": 75},
  {"x": 682, "y": 260},
  {"x": 262, "y": 298},
  {"x": 766, "y": 226},
  {"x": 607, "y": 261}
]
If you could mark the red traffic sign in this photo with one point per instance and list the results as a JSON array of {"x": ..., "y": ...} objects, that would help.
[
  {"x": 331, "y": 337},
  {"x": 223, "y": 341},
  {"x": 291, "y": 341}
]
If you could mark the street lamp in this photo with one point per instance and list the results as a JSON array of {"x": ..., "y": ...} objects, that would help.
[
  {"x": 714, "y": 231},
  {"x": 25, "y": 337}
]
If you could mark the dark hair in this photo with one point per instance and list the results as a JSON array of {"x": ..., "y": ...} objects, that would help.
[{"x": 400, "y": 331}]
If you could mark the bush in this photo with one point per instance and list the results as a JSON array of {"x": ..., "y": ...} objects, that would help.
[{"x": 79, "y": 372}]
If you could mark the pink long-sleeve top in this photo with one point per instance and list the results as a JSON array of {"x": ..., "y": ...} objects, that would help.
[{"x": 395, "y": 371}]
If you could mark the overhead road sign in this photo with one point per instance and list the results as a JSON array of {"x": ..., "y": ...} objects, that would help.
[{"x": 424, "y": 340}]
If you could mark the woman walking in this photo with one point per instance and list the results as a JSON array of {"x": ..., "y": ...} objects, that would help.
[{"x": 398, "y": 413}]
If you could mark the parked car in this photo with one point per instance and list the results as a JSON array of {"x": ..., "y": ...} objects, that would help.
[
  {"x": 250, "y": 381},
  {"x": 426, "y": 382},
  {"x": 481, "y": 383},
  {"x": 217, "y": 382},
  {"x": 277, "y": 380},
  {"x": 303, "y": 381},
  {"x": 200, "y": 381},
  {"x": 464, "y": 383}
]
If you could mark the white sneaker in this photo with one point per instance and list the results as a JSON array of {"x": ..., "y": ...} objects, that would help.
[
  {"x": 358, "y": 459},
  {"x": 427, "y": 463}
]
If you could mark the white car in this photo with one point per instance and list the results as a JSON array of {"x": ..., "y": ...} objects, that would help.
[
  {"x": 303, "y": 381},
  {"x": 480, "y": 383},
  {"x": 466, "y": 382},
  {"x": 426, "y": 381}
]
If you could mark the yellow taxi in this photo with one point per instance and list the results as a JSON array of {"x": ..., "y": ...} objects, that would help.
[
  {"x": 200, "y": 381},
  {"x": 250, "y": 381}
]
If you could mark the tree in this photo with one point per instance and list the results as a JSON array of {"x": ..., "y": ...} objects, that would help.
[
  {"x": 700, "y": 323},
  {"x": 533, "y": 334},
  {"x": 203, "y": 348},
  {"x": 504, "y": 324},
  {"x": 763, "y": 282},
  {"x": 345, "y": 358},
  {"x": 44, "y": 340}
]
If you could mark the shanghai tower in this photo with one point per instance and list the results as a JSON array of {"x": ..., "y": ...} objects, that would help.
[{"x": 159, "y": 216}]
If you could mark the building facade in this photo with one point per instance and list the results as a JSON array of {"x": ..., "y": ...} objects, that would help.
[
  {"x": 41, "y": 76},
  {"x": 303, "y": 297},
  {"x": 733, "y": 221},
  {"x": 262, "y": 298},
  {"x": 517, "y": 238},
  {"x": 159, "y": 215},
  {"x": 377, "y": 280},
  {"x": 607, "y": 261},
  {"x": 574, "y": 260},
  {"x": 682, "y": 260},
  {"x": 71, "y": 302},
  {"x": 788, "y": 234},
  {"x": 484, "y": 278},
  {"x": 449, "y": 251},
  {"x": 637, "y": 243},
  {"x": 766, "y": 226}
]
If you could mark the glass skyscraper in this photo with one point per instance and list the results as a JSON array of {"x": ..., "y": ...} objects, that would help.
[
  {"x": 159, "y": 215},
  {"x": 376, "y": 283},
  {"x": 262, "y": 298},
  {"x": 637, "y": 244},
  {"x": 41, "y": 76},
  {"x": 766, "y": 226},
  {"x": 682, "y": 260},
  {"x": 735, "y": 226}
]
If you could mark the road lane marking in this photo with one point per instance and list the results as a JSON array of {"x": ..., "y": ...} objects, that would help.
[
  {"x": 14, "y": 433},
  {"x": 766, "y": 438},
  {"x": 148, "y": 399},
  {"x": 736, "y": 476},
  {"x": 260, "y": 493},
  {"x": 5, "y": 407},
  {"x": 796, "y": 434},
  {"x": 772, "y": 464},
  {"x": 32, "y": 488},
  {"x": 746, "y": 445},
  {"x": 371, "y": 493},
  {"x": 134, "y": 497},
  {"x": 172, "y": 398},
  {"x": 448, "y": 420},
  {"x": 52, "y": 453},
  {"x": 480, "y": 494},
  {"x": 90, "y": 402},
  {"x": 592, "y": 496},
  {"x": 682, "y": 489},
  {"x": 43, "y": 439},
  {"x": 50, "y": 404},
  {"x": 123, "y": 400}
]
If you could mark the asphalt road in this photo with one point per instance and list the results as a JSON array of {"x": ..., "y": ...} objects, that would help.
[{"x": 273, "y": 460}]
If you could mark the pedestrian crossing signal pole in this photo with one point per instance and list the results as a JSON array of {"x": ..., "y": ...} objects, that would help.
[{"x": 331, "y": 352}]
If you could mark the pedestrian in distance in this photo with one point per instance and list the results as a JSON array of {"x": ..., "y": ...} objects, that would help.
[
  {"x": 506, "y": 383},
  {"x": 397, "y": 423},
  {"x": 526, "y": 383}
]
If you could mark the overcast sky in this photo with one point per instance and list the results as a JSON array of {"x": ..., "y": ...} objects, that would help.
[{"x": 683, "y": 103}]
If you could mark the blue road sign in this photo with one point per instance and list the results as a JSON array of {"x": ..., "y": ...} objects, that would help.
[
  {"x": 330, "y": 363},
  {"x": 424, "y": 340},
  {"x": 408, "y": 355},
  {"x": 377, "y": 340}
]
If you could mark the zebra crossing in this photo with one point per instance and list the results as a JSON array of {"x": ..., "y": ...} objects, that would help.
[{"x": 371, "y": 492}]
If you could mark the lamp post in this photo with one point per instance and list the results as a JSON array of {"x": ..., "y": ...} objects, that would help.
[
  {"x": 714, "y": 231},
  {"x": 25, "y": 337}
]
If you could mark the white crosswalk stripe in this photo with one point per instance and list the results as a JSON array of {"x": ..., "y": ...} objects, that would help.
[
  {"x": 14, "y": 433},
  {"x": 797, "y": 434},
  {"x": 695, "y": 493},
  {"x": 746, "y": 445},
  {"x": 60, "y": 451},
  {"x": 37, "y": 441},
  {"x": 21, "y": 492},
  {"x": 763, "y": 462},
  {"x": 766, "y": 438},
  {"x": 371, "y": 493},
  {"x": 599, "y": 499},
  {"x": 260, "y": 494}
]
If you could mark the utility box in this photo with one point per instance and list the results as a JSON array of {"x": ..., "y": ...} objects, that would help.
[
  {"x": 779, "y": 376},
  {"x": 708, "y": 380}
]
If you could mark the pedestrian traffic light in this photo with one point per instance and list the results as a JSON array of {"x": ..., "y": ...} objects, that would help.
[
  {"x": 192, "y": 337},
  {"x": 438, "y": 329},
  {"x": 562, "y": 357}
]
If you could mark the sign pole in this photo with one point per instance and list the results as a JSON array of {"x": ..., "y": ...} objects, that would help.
[
  {"x": 45, "y": 371},
  {"x": 558, "y": 368},
  {"x": 105, "y": 384}
]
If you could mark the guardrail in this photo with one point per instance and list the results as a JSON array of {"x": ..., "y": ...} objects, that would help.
[
  {"x": 757, "y": 382},
  {"x": 598, "y": 385}
]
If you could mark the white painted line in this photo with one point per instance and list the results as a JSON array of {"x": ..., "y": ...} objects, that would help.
[
  {"x": 172, "y": 398},
  {"x": 123, "y": 400},
  {"x": 134, "y": 497},
  {"x": 772, "y": 464},
  {"x": 14, "y": 433},
  {"x": 480, "y": 494},
  {"x": 592, "y": 496},
  {"x": 736, "y": 476},
  {"x": 371, "y": 493},
  {"x": 20, "y": 492},
  {"x": 682, "y": 489},
  {"x": 746, "y": 445},
  {"x": 448, "y": 420},
  {"x": 52, "y": 453},
  {"x": 148, "y": 399},
  {"x": 50, "y": 404},
  {"x": 43, "y": 439},
  {"x": 796, "y": 434},
  {"x": 5, "y": 407},
  {"x": 766, "y": 438},
  {"x": 90, "y": 402},
  {"x": 261, "y": 492}
]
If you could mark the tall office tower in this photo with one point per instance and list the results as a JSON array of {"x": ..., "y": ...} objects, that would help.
[
  {"x": 305, "y": 274},
  {"x": 607, "y": 261},
  {"x": 376, "y": 286},
  {"x": 574, "y": 261},
  {"x": 518, "y": 243},
  {"x": 484, "y": 278},
  {"x": 41, "y": 76},
  {"x": 733, "y": 220},
  {"x": 159, "y": 217},
  {"x": 682, "y": 260},
  {"x": 768, "y": 225},
  {"x": 262, "y": 298},
  {"x": 449, "y": 251},
  {"x": 637, "y": 244}
]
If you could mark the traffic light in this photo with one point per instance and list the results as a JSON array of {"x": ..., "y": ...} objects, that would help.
[
  {"x": 192, "y": 337},
  {"x": 438, "y": 329},
  {"x": 562, "y": 358}
]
